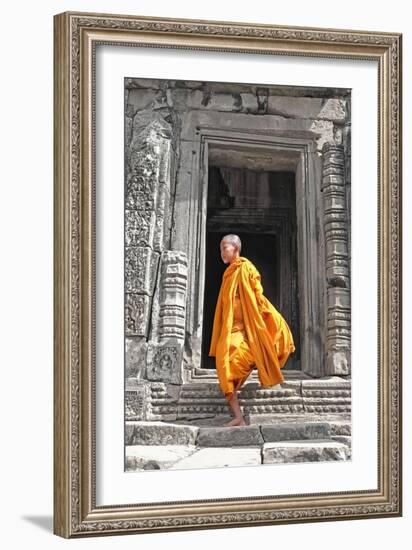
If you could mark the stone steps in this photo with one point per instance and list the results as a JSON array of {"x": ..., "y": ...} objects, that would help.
[
  {"x": 159, "y": 433},
  {"x": 162, "y": 433},
  {"x": 211, "y": 374},
  {"x": 160, "y": 445},
  {"x": 197, "y": 400},
  {"x": 318, "y": 450},
  {"x": 339, "y": 425}
]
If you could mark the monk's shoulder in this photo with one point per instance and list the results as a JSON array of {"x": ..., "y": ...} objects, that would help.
[{"x": 250, "y": 267}]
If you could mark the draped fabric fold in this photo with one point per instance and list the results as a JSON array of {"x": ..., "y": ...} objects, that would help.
[{"x": 269, "y": 336}]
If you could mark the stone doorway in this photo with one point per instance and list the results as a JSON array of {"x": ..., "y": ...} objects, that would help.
[
  {"x": 286, "y": 172},
  {"x": 260, "y": 207},
  {"x": 180, "y": 136}
]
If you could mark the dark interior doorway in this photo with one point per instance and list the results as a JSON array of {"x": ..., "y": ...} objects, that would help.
[{"x": 264, "y": 217}]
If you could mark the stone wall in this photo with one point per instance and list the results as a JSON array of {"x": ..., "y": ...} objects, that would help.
[{"x": 165, "y": 124}]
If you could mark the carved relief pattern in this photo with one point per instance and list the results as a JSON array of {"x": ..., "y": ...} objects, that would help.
[
  {"x": 76, "y": 523},
  {"x": 164, "y": 362},
  {"x": 337, "y": 260},
  {"x": 136, "y": 198},
  {"x": 147, "y": 182},
  {"x": 139, "y": 228},
  {"x": 137, "y": 306},
  {"x": 334, "y": 196},
  {"x": 140, "y": 182},
  {"x": 238, "y": 30},
  {"x": 140, "y": 269},
  {"x": 135, "y": 403},
  {"x": 204, "y": 400},
  {"x": 135, "y": 358}
]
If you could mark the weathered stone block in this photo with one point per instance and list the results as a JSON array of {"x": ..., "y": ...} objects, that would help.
[
  {"x": 136, "y": 399},
  {"x": 155, "y": 457},
  {"x": 163, "y": 401},
  {"x": 222, "y": 102},
  {"x": 338, "y": 361},
  {"x": 303, "y": 451},
  {"x": 140, "y": 269},
  {"x": 299, "y": 107},
  {"x": 142, "y": 83},
  {"x": 295, "y": 431},
  {"x": 135, "y": 357},
  {"x": 325, "y": 130},
  {"x": 137, "y": 315},
  {"x": 159, "y": 433},
  {"x": 346, "y": 440},
  {"x": 339, "y": 298},
  {"x": 250, "y": 103},
  {"x": 128, "y": 130},
  {"x": 139, "y": 227},
  {"x": 229, "y": 436},
  {"x": 164, "y": 362},
  {"x": 334, "y": 109},
  {"x": 182, "y": 99},
  {"x": 340, "y": 428},
  {"x": 142, "y": 98}
]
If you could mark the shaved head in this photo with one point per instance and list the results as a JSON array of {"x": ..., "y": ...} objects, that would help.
[
  {"x": 230, "y": 247},
  {"x": 233, "y": 239}
]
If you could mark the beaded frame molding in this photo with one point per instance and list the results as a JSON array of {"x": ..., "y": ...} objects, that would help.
[{"x": 75, "y": 38}]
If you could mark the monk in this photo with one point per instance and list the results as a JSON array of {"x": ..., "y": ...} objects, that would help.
[{"x": 248, "y": 331}]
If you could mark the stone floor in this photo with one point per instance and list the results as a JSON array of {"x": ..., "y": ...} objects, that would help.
[{"x": 207, "y": 443}]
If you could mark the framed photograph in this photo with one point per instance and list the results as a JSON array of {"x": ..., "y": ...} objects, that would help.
[{"x": 227, "y": 274}]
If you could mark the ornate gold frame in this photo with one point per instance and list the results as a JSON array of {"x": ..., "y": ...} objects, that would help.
[{"x": 75, "y": 37}]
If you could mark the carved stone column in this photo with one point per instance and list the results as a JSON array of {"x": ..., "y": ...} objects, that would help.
[
  {"x": 173, "y": 296},
  {"x": 147, "y": 197},
  {"x": 338, "y": 338},
  {"x": 164, "y": 360}
]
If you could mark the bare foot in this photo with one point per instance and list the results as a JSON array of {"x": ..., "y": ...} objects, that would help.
[{"x": 236, "y": 422}]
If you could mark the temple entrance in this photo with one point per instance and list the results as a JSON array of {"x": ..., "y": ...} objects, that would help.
[
  {"x": 271, "y": 164},
  {"x": 260, "y": 207}
]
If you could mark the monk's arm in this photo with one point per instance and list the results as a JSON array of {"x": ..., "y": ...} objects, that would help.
[
  {"x": 256, "y": 284},
  {"x": 217, "y": 325}
]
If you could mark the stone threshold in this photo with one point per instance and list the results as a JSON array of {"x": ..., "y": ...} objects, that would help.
[
  {"x": 199, "y": 374},
  {"x": 339, "y": 422},
  {"x": 177, "y": 457}
]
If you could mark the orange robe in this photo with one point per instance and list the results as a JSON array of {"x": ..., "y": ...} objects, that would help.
[
  {"x": 268, "y": 341},
  {"x": 241, "y": 359}
]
